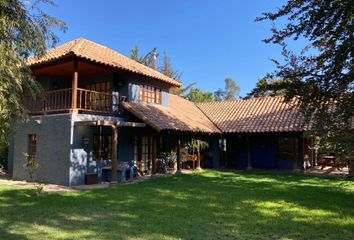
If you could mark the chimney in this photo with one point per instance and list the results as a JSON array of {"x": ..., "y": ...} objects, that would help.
[{"x": 153, "y": 62}]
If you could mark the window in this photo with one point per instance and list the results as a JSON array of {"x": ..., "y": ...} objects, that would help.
[
  {"x": 146, "y": 152},
  {"x": 102, "y": 147},
  {"x": 150, "y": 94},
  {"x": 104, "y": 87},
  {"x": 31, "y": 147},
  {"x": 143, "y": 152},
  {"x": 287, "y": 148}
]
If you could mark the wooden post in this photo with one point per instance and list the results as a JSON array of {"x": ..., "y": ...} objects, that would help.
[
  {"x": 295, "y": 159},
  {"x": 179, "y": 169},
  {"x": 114, "y": 154},
  {"x": 153, "y": 154},
  {"x": 302, "y": 152},
  {"x": 249, "y": 161},
  {"x": 75, "y": 82}
]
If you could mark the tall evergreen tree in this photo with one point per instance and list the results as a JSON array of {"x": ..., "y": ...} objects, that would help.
[
  {"x": 323, "y": 74},
  {"x": 167, "y": 68},
  {"x": 25, "y": 30}
]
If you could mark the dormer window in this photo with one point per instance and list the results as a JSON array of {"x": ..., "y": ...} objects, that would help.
[{"x": 150, "y": 94}]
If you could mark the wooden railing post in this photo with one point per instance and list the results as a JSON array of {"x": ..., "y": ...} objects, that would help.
[{"x": 74, "y": 87}]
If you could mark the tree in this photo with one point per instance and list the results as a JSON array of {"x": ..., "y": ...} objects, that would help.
[
  {"x": 267, "y": 87},
  {"x": 322, "y": 76},
  {"x": 149, "y": 59},
  {"x": 219, "y": 95},
  {"x": 195, "y": 146},
  {"x": 167, "y": 68},
  {"x": 182, "y": 91},
  {"x": 25, "y": 30},
  {"x": 198, "y": 96},
  {"x": 230, "y": 91}
]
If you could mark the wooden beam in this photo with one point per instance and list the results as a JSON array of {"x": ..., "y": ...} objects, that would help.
[
  {"x": 75, "y": 83},
  {"x": 154, "y": 154},
  {"x": 114, "y": 155},
  {"x": 109, "y": 123},
  {"x": 130, "y": 124}
]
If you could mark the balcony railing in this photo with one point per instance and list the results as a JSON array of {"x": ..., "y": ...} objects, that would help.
[{"x": 56, "y": 101}]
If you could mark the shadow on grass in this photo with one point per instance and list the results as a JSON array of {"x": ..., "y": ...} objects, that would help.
[{"x": 206, "y": 205}]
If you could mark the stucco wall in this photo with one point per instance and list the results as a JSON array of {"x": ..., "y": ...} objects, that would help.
[
  {"x": 81, "y": 156},
  {"x": 53, "y": 148}
]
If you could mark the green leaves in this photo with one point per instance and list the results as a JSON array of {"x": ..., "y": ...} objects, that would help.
[
  {"x": 24, "y": 31},
  {"x": 322, "y": 76}
]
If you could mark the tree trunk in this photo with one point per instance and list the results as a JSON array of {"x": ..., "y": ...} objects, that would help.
[{"x": 198, "y": 155}]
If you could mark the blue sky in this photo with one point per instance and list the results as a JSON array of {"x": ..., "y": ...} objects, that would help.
[{"x": 208, "y": 40}]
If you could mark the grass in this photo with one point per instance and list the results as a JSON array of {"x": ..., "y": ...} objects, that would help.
[{"x": 205, "y": 205}]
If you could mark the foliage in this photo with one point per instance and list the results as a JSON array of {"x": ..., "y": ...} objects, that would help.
[
  {"x": 25, "y": 30},
  {"x": 267, "y": 87},
  {"x": 182, "y": 90},
  {"x": 204, "y": 205},
  {"x": 167, "y": 68},
  {"x": 149, "y": 59},
  {"x": 230, "y": 91},
  {"x": 322, "y": 76},
  {"x": 31, "y": 166},
  {"x": 196, "y": 145},
  {"x": 167, "y": 161},
  {"x": 3, "y": 158},
  {"x": 198, "y": 96},
  {"x": 219, "y": 95}
]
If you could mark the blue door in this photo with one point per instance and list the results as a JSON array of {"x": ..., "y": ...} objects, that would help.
[{"x": 264, "y": 153}]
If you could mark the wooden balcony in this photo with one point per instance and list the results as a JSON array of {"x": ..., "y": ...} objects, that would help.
[{"x": 87, "y": 101}]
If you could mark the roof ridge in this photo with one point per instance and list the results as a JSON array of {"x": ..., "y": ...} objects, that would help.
[
  {"x": 82, "y": 40},
  {"x": 241, "y": 100},
  {"x": 217, "y": 127},
  {"x": 95, "y": 52},
  {"x": 78, "y": 42}
]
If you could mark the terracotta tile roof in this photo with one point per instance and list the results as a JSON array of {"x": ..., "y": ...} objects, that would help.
[
  {"x": 94, "y": 52},
  {"x": 181, "y": 115},
  {"x": 267, "y": 114}
]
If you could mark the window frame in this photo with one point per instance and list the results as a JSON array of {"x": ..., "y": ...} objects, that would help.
[
  {"x": 103, "y": 152},
  {"x": 32, "y": 147},
  {"x": 150, "y": 94}
]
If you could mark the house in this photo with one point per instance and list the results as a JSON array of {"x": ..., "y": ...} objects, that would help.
[{"x": 99, "y": 106}]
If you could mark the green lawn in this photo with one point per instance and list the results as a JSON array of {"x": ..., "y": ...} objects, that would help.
[{"x": 206, "y": 205}]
